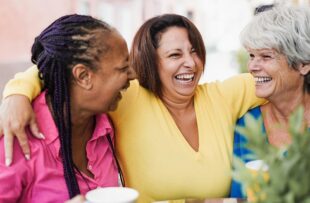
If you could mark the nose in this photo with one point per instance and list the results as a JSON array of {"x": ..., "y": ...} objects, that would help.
[
  {"x": 189, "y": 61},
  {"x": 131, "y": 74},
  {"x": 253, "y": 65}
]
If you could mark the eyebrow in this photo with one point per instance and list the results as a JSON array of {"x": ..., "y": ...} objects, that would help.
[
  {"x": 262, "y": 51},
  {"x": 171, "y": 50},
  {"x": 267, "y": 52}
]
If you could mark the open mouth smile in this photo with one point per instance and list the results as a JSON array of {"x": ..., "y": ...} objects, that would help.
[
  {"x": 188, "y": 77},
  {"x": 262, "y": 79}
]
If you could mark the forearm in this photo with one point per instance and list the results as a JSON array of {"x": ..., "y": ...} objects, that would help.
[{"x": 25, "y": 83}]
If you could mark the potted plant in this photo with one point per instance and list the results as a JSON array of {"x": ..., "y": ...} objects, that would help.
[{"x": 289, "y": 167}]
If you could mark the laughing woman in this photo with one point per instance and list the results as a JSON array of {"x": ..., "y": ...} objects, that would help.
[
  {"x": 83, "y": 63},
  {"x": 173, "y": 137},
  {"x": 278, "y": 42}
]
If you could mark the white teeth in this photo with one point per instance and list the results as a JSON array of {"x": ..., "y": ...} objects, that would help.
[
  {"x": 185, "y": 76},
  {"x": 262, "y": 79}
]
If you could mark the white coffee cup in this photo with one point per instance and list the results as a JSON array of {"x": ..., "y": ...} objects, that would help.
[
  {"x": 112, "y": 195},
  {"x": 257, "y": 165}
]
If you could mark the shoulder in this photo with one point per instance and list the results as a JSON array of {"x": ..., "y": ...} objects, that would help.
[
  {"x": 20, "y": 175},
  {"x": 255, "y": 112},
  {"x": 36, "y": 145},
  {"x": 129, "y": 95},
  {"x": 238, "y": 82},
  {"x": 132, "y": 100},
  {"x": 19, "y": 166},
  {"x": 244, "y": 79}
]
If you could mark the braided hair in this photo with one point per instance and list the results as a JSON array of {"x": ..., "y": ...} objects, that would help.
[{"x": 70, "y": 40}]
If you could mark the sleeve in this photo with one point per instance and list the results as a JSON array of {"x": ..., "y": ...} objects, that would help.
[
  {"x": 13, "y": 179},
  {"x": 25, "y": 83},
  {"x": 239, "y": 92}
]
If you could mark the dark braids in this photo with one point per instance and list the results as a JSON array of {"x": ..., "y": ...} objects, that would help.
[{"x": 68, "y": 41}]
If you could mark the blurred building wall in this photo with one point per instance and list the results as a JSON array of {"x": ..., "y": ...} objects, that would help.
[
  {"x": 22, "y": 20},
  {"x": 219, "y": 22}
]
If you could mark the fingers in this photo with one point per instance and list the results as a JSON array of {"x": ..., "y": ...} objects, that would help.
[
  {"x": 8, "y": 148},
  {"x": 76, "y": 199},
  {"x": 23, "y": 142},
  {"x": 15, "y": 114},
  {"x": 35, "y": 129}
]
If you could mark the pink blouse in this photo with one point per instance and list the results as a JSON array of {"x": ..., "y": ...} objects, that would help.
[{"x": 41, "y": 179}]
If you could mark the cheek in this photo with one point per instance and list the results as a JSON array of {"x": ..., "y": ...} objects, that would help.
[
  {"x": 249, "y": 65},
  {"x": 200, "y": 66},
  {"x": 163, "y": 72},
  {"x": 198, "y": 61}
]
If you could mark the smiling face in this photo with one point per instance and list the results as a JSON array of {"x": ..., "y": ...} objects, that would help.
[
  {"x": 180, "y": 67},
  {"x": 112, "y": 75},
  {"x": 274, "y": 78}
]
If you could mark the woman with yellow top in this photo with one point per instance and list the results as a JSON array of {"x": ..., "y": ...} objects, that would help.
[{"x": 174, "y": 138}]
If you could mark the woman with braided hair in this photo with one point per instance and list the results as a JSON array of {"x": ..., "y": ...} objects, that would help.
[{"x": 83, "y": 63}]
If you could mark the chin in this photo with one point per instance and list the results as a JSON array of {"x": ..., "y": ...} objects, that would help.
[
  {"x": 188, "y": 92},
  {"x": 113, "y": 107},
  {"x": 263, "y": 95}
]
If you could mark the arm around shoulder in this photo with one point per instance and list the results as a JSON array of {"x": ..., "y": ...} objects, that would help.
[
  {"x": 239, "y": 91},
  {"x": 16, "y": 111},
  {"x": 24, "y": 83}
]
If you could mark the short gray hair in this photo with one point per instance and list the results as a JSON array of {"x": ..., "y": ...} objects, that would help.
[{"x": 285, "y": 29}]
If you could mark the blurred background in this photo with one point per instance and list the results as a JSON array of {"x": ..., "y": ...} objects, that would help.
[{"x": 219, "y": 21}]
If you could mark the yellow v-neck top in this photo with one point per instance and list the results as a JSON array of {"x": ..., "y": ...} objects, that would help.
[{"x": 155, "y": 157}]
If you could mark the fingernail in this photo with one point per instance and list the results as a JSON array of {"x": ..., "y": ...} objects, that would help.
[
  {"x": 27, "y": 156},
  {"x": 8, "y": 161},
  {"x": 41, "y": 136}
]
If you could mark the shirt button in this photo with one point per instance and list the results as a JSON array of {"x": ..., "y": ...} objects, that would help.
[{"x": 90, "y": 167}]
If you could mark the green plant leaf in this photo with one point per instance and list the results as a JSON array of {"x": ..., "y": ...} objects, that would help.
[{"x": 289, "y": 167}]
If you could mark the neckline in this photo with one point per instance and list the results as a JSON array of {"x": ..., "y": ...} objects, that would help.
[{"x": 176, "y": 129}]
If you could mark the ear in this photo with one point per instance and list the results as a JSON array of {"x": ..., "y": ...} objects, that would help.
[
  {"x": 82, "y": 76},
  {"x": 304, "y": 69}
]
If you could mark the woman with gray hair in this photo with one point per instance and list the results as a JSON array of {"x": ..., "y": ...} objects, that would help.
[{"x": 278, "y": 43}]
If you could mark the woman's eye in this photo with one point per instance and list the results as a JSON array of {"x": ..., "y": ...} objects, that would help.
[
  {"x": 174, "y": 55},
  {"x": 266, "y": 56},
  {"x": 251, "y": 56},
  {"x": 193, "y": 50},
  {"x": 124, "y": 69}
]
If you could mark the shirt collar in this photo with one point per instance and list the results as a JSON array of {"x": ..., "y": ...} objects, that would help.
[{"x": 47, "y": 125}]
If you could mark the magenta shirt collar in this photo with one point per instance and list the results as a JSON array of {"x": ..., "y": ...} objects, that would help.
[{"x": 103, "y": 124}]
